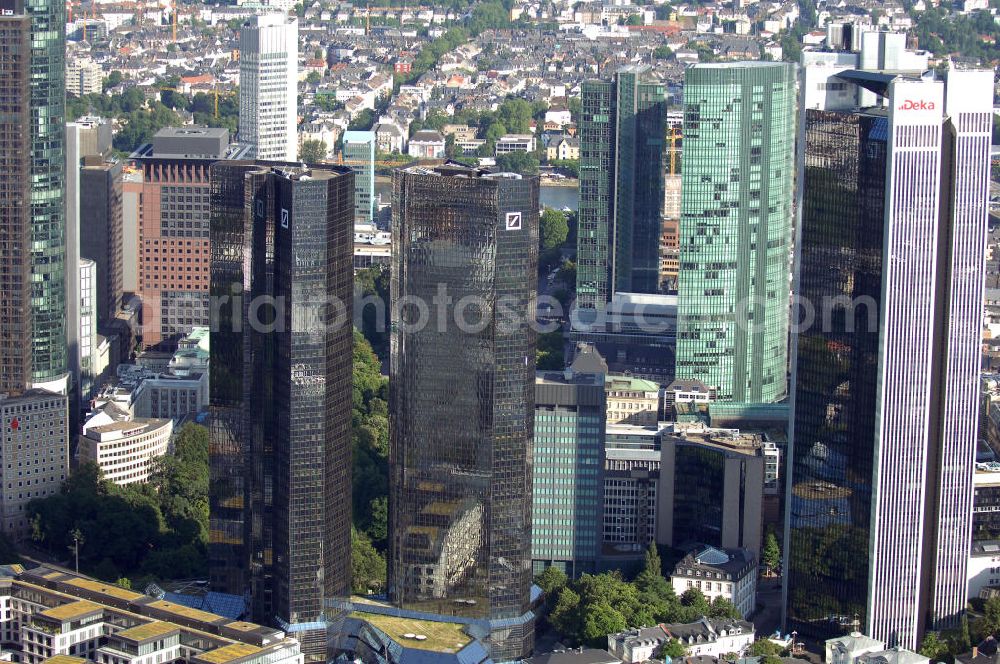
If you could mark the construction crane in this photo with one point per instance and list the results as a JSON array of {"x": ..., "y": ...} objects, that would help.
[{"x": 673, "y": 135}]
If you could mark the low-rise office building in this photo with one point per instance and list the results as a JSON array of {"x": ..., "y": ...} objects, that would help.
[
  {"x": 632, "y": 400},
  {"x": 631, "y": 491},
  {"x": 124, "y": 451},
  {"x": 48, "y": 615},
  {"x": 34, "y": 446},
  {"x": 706, "y": 637},
  {"x": 730, "y": 574},
  {"x": 711, "y": 488}
]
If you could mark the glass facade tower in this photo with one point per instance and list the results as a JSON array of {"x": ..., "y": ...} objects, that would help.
[
  {"x": 461, "y": 399},
  {"x": 15, "y": 196},
  {"x": 359, "y": 154},
  {"x": 622, "y": 151},
  {"x": 885, "y": 410},
  {"x": 735, "y": 228},
  {"x": 49, "y": 355},
  {"x": 281, "y": 393},
  {"x": 568, "y": 472}
]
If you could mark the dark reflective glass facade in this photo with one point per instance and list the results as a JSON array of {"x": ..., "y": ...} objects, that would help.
[
  {"x": 622, "y": 136},
  {"x": 462, "y": 399},
  {"x": 831, "y": 464},
  {"x": 283, "y": 395}
]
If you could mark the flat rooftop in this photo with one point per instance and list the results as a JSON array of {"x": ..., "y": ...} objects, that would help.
[
  {"x": 72, "y": 611},
  {"x": 227, "y": 654},
  {"x": 109, "y": 589},
  {"x": 443, "y": 637},
  {"x": 150, "y": 630}
]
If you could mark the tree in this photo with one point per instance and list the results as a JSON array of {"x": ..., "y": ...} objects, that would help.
[
  {"x": 764, "y": 648},
  {"x": 518, "y": 162},
  {"x": 933, "y": 647},
  {"x": 989, "y": 624},
  {"x": 312, "y": 151},
  {"x": 553, "y": 229},
  {"x": 599, "y": 621},
  {"x": 314, "y": 77},
  {"x": 552, "y": 580},
  {"x": 363, "y": 122},
  {"x": 672, "y": 649},
  {"x": 634, "y": 19},
  {"x": 124, "y": 582},
  {"x": 771, "y": 553},
  {"x": 663, "y": 52},
  {"x": 367, "y": 565},
  {"x": 723, "y": 608},
  {"x": 113, "y": 79},
  {"x": 549, "y": 355}
]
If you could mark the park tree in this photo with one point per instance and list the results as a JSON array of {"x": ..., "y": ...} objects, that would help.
[
  {"x": 518, "y": 162},
  {"x": 312, "y": 151},
  {"x": 672, "y": 649},
  {"x": 933, "y": 647},
  {"x": 368, "y": 568},
  {"x": 771, "y": 553},
  {"x": 553, "y": 229}
]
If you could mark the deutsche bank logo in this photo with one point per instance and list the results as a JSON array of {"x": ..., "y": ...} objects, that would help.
[
  {"x": 513, "y": 221},
  {"x": 284, "y": 218}
]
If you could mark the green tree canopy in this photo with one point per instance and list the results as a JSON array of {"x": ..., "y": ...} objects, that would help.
[
  {"x": 553, "y": 229},
  {"x": 312, "y": 151}
]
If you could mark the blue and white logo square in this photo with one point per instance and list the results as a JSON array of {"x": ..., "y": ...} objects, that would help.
[
  {"x": 513, "y": 221},
  {"x": 284, "y": 218}
]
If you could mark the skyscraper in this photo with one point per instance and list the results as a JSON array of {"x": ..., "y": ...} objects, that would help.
[
  {"x": 461, "y": 399},
  {"x": 49, "y": 357},
  {"x": 359, "y": 154},
  {"x": 15, "y": 198},
  {"x": 280, "y": 513},
  {"x": 174, "y": 239},
  {"x": 622, "y": 138},
  {"x": 885, "y": 380},
  {"x": 568, "y": 471},
  {"x": 33, "y": 345},
  {"x": 735, "y": 230},
  {"x": 269, "y": 52},
  {"x": 101, "y": 230}
]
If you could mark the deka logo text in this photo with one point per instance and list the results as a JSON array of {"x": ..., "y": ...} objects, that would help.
[{"x": 915, "y": 105}]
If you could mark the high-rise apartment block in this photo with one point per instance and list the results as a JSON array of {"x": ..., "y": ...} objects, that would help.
[
  {"x": 622, "y": 135},
  {"x": 892, "y": 240},
  {"x": 359, "y": 154},
  {"x": 34, "y": 444},
  {"x": 461, "y": 399},
  {"x": 269, "y": 52},
  {"x": 280, "y": 513},
  {"x": 84, "y": 77},
  {"x": 735, "y": 230},
  {"x": 174, "y": 242},
  {"x": 567, "y": 487}
]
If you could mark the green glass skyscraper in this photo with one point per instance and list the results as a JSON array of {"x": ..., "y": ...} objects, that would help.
[
  {"x": 622, "y": 134},
  {"x": 735, "y": 230},
  {"x": 49, "y": 361}
]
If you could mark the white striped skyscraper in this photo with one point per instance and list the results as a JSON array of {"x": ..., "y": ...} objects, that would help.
[{"x": 885, "y": 410}]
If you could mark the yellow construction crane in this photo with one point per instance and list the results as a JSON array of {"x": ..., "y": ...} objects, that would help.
[{"x": 673, "y": 135}]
